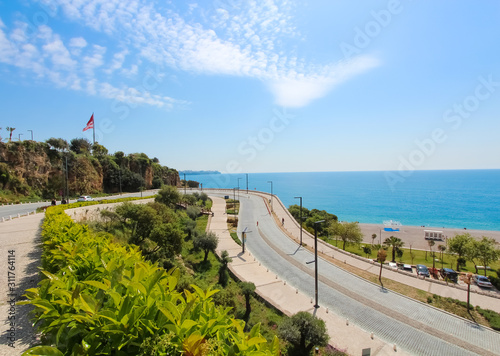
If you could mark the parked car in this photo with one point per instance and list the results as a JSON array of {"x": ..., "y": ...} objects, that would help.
[
  {"x": 406, "y": 267},
  {"x": 422, "y": 270},
  {"x": 448, "y": 273},
  {"x": 482, "y": 281},
  {"x": 85, "y": 198}
]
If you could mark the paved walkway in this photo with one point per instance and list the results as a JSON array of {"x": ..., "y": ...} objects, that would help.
[
  {"x": 288, "y": 299},
  {"x": 20, "y": 252}
]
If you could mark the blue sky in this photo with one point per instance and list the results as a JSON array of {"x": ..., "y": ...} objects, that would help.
[{"x": 260, "y": 86}]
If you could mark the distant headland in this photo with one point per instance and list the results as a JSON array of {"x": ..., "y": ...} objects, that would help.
[{"x": 198, "y": 172}]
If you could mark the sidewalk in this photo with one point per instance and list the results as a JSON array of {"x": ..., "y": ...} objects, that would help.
[
  {"x": 20, "y": 254},
  {"x": 287, "y": 299},
  {"x": 292, "y": 228}
]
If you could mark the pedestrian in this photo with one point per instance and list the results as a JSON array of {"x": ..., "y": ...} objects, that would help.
[{"x": 282, "y": 221}]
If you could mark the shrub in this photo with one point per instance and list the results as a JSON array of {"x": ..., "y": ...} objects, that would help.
[{"x": 492, "y": 317}]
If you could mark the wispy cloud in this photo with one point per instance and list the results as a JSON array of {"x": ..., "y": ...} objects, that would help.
[{"x": 238, "y": 38}]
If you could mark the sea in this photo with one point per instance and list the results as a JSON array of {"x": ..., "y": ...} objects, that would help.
[{"x": 440, "y": 198}]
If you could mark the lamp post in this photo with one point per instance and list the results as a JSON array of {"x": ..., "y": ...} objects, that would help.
[
  {"x": 31, "y": 134},
  {"x": 247, "y": 183},
  {"x": 234, "y": 201},
  {"x": 270, "y": 181},
  {"x": 316, "y": 262},
  {"x": 239, "y": 188},
  {"x": 300, "y": 218},
  {"x": 20, "y": 137}
]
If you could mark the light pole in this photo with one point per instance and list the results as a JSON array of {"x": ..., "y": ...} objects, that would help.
[
  {"x": 270, "y": 181},
  {"x": 316, "y": 262},
  {"x": 247, "y": 183},
  {"x": 239, "y": 188},
  {"x": 234, "y": 201},
  {"x": 31, "y": 134},
  {"x": 20, "y": 137},
  {"x": 300, "y": 219}
]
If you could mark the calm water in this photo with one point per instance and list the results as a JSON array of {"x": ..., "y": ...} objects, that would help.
[{"x": 456, "y": 198}]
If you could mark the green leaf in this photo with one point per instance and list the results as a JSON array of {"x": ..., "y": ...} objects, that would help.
[
  {"x": 97, "y": 284},
  {"x": 43, "y": 351}
]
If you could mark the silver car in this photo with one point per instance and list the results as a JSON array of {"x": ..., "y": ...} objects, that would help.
[
  {"x": 85, "y": 198},
  {"x": 482, "y": 281}
]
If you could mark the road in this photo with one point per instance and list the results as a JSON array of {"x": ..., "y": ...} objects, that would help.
[
  {"x": 8, "y": 211},
  {"x": 413, "y": 326}
]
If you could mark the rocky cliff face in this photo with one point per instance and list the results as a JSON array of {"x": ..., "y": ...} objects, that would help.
[{"x": 35, "y": 168}]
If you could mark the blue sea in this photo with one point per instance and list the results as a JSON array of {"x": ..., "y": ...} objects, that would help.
[{"x": 447, "y": 198}]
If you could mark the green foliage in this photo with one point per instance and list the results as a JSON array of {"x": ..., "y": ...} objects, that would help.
[
  {"x": 206, "y": 241},
  {"x": 311, "y": 216},
  {"x": 58, "y": 144},
  {"x": 100, "y": 298},
  {"x": 80, "y": 145},
  {"x": 348, "y": 232},
  {"x": 396, "y": 243},
  {"x": 492, "y": 317},
  {"x": 459, "y": 244},
  {"x": 223, "y": 269},
  {"x": 169, "y": 196},
  {"x": 303, "y": 331},
  {"x": 367, "y": 250}
]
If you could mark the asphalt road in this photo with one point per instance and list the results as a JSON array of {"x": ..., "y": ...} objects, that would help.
[
  {"x": 413, "y": 326},
  {"x": 7, "y": 211}
]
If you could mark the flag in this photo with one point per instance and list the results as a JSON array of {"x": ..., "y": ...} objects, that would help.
[{"x": 90, "y": 124}]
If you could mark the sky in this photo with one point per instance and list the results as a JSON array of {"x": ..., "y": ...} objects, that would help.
[{"x": 259, "y": 86}]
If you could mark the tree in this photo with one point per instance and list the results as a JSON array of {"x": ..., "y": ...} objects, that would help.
[
  {"x": 80, "y": 145},
  {"x": 374, "y": 236},
  {"x": 247, "y": 288},
  {"x": 348, "y": 232},
  {"x": 58, "y": 143},
  {"x": 459, "y": 244},
  {"x": 303, "y": 331},
  {"x": 367, "y": 250},
  {"x": 441, "y": 249},
  {"x": 395, "y": 243},
  {"x": 486, "y": 251},
  {"x": 431, "y": 243},
  {"x": 223, "y": 273},
  {"x": 207, "y": 242},
  {"x": 10, "y": 129},
  {"x": 169, "y": 196},
  {"x": 381, "y": 256}
]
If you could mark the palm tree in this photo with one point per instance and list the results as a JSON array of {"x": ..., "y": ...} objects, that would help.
[
  {"x": 374, "y": 236},
  {"x": 247, "y": 289},
  {"x": 396, "y": 244},
  {"x": 10, "y": 129},
  {"x": 442, "y": 248},
  {"x": 223, "y": 274},
  {"x": 431, "y": 243},
  {"x": 381, "y": 256}
]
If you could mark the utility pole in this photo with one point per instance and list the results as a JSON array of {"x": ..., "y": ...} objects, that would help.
[{"x": 31, "y": 134}]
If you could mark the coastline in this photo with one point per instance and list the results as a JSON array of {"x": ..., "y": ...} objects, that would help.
[{"x": 414, "y": 235}]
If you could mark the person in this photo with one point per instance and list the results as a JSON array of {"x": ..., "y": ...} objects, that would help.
[
  {"x": 53, "y": 202},
  {"x": 282, "y": 221},
  {"x": 63, "y": 201}
]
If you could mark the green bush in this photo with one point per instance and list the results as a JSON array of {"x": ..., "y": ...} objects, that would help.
[
  {"x": 492, "y": 316},
  {"x": 101, "y": 298}
]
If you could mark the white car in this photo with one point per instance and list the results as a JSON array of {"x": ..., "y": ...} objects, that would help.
[
  {"x": 482, "y": 281},
  {"x": 85, "y": 198}
]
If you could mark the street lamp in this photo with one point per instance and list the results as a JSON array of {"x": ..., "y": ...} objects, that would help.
[
  {"x": 20, "y": 137},
  {"x": 31, "y": 134},
  {"x": 234, "y": 201},
  {"x": 239, "y": 188},
  {"x": 247, "y": 183},
  {"x": 270, "y": 181},
  {"x": 316, "y": 262},
  {"x": 300, "y": 219}
]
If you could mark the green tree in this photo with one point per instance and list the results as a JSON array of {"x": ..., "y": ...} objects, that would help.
[
  {"x": 99, "y": 151},
  {"x": 395, "y": 243},
  {"x": 247, "y": 289},
  {"x": 58, "y": 144},
  {"x": 303, "y": 331},
  {"x": 441, "y": 249},
  {"x": 10, "y": 129},
  {"x": 486, "y": 251},
  {"x": 374, "y": 236},
  {"x": 80, "y": 145},
  {"x": 381, "y": 256},
  {"x": 367, "y": 250},
  {"x": 431, "y": 243},
  {"x": 169, "y": 196},
  {"x": 207, "y": 241},
  {"x": 223, "y": 269},
  {"x": 348, "y": 232},
  {"x": 459, "y": 244}
]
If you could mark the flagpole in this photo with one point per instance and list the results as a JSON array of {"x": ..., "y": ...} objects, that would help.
[{"x": 93, "y": 127}]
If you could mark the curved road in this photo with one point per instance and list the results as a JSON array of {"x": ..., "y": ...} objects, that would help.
[{"x": 414, "y": 326}]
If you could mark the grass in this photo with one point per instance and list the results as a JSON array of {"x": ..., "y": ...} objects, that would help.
[{"x": 201, "y": 223}]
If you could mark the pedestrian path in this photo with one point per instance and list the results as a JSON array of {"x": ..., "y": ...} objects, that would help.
[
  {"x": 20, "y": 252},
  {"x": 284, "y": 297}
]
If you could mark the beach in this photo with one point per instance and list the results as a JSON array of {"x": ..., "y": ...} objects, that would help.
[{"x": 414, "y": 235}]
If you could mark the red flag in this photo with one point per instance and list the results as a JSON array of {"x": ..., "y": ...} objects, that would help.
[{"x": 90, "y": 124}]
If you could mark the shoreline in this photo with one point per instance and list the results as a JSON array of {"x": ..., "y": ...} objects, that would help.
[{"x": 414, "y": 235}]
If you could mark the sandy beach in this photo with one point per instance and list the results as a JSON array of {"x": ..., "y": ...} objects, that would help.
[{"x": 414, "y": 235}]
